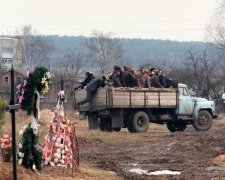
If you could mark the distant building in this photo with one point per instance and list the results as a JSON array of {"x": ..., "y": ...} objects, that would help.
[
  {"x": 5, "y": 83},
  {"x": 5, "y": 80},
  {"x": 10, "y": 53}
]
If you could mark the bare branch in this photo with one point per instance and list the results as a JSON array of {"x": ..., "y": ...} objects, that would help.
[{"x": 104, "y": 50}]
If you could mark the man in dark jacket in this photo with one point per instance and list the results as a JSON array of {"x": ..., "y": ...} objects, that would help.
[
  {"x": 118, "y": 77},
  {"x": 164, "y": 81},
  {"x": 88, "y": 77},
  {"x": 130, "y": 79},
  {"x": 155, "y": 80},
  {"x": 91, "y": 89}
]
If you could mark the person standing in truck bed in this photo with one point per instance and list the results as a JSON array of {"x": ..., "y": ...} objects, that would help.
[
  {"x": 130, "y": 78},
  {"x": 155, "y": 80},
  {"x": 142, "y": 79},
  {"x": 117, "y": 77}
]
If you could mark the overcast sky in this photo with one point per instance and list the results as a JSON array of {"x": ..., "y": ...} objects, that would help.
[{"x": 157, "y": 19}]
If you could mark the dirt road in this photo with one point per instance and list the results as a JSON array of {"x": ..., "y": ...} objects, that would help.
[{"x": 196, "y": 155}]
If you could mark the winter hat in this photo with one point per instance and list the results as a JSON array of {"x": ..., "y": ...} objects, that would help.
[
  {"x": 116, "y": 67},
  {"x": 89, "y": 74}
]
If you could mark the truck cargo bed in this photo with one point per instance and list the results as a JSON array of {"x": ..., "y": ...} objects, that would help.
[
  {"x": 130, "y": 98},
  {"x": 106, "y": 98}
]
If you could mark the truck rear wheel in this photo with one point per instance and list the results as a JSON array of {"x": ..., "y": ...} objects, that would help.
[
  {"x": 116, "y": 129},
  {"x": 176, "y": 126},
  {"x": 101, "y": 124},
  {"x": 130, "y": 124},
  {"x": 105, "y": 124},
  {"x": 140, "y": 122},
  {"x": 203, "y": 122}
]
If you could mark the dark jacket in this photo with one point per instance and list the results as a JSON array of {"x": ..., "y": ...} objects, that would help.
[
  {"x": 87, "y": 80},
  {"x": 118, "y": 81},
  {"x": 94, "y": 84},
  {"x": 155, "y": 82},
  {"x": 130, "y": 80},
  {"x": 162, "y": 80},
  {"x": 165, "y": 81}
]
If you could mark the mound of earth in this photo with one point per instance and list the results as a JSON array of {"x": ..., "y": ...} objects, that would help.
[{"x": 47, "y": 172}]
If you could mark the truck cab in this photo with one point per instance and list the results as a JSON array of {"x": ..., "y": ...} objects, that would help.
[{"x": 200, "y": 110}]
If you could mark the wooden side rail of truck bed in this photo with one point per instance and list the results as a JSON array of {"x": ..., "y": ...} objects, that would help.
[{"x": 107, "y": 98}]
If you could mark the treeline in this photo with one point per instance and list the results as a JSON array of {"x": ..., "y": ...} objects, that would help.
[
  {"x": 199, "y": 65},
  {"x": 135, "y": 51}
]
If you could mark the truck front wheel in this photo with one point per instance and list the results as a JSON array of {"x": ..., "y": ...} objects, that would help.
[
  {"x": 140, "y": 122},
  {"x": 203, "y": 122},
  {"x": 176, "y": 126}
]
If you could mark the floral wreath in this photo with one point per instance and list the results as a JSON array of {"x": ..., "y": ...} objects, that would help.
[{"x": 36, "y": 82}]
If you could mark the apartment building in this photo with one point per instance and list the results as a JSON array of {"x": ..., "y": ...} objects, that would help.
[{"x": 10, "y": 53}]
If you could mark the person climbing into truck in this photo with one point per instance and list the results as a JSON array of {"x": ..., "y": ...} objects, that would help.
[
  {"x": 142, "y": 79},
  {"x": 91, "y": 89},
  {"x": 88, "y": 77}
]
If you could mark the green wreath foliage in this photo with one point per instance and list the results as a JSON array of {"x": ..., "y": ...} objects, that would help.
[
  {"x": 32, "y": 83},
  {"x": 33, "y": 153}
]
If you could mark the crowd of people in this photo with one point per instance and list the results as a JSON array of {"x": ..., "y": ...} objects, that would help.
[
  {"x": 142, "y": 79},
  {"x": 154, "y": 78}
]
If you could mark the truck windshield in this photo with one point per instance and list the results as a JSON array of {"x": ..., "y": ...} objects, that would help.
[{"x": 183, "y": 91}]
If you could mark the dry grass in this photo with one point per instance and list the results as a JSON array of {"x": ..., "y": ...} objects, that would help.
[
  {"x": 122, "y": 137},
  {"x": 23, "y": 119},
  {"x": 53, "y": 173}
]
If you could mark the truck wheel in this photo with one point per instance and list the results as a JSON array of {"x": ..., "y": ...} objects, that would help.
[
  {"x": 203, "y": 122},
  {"x": 101, "y": 124},
  {"x": 105, "y": 124},
  {"x": 140, "y": 122},
  {"x": 108, "y": 125},
  {"x": 176, "y": 126},
  {"x": 116, "y": 129},
  {"x": 171, "y": 126},
  {"x": 130, "y": 124}
]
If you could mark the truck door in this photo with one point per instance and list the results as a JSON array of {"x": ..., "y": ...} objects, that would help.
[{"x": 186, "y": 103}]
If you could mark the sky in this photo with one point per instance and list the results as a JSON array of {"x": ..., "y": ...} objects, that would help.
[{"x": 182, "y": 20}]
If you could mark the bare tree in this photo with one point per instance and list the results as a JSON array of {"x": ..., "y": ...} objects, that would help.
[
  {"x": 216, "y": 29},
  {"x": 193, "y": 67},
  {"x": 104, "y": 50},
  {"x": 204, "y": 73},
  {"x": 70, "y": 65},
  {"x": 36, "y": 49},
  {"x": 70, "y": 69}
]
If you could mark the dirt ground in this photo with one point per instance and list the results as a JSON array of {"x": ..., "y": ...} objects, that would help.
[
  {"x": 112, "y": 155},
  {"x": 196, "y": 155}
]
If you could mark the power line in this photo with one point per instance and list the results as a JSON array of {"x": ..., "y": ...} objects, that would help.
[{"x": 110, "y": 23}]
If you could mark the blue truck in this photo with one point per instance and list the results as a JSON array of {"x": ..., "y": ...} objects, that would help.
[{"x": 135, "y": 109}]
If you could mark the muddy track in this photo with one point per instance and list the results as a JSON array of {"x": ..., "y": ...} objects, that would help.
[{"x": 189, "y": 152}]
